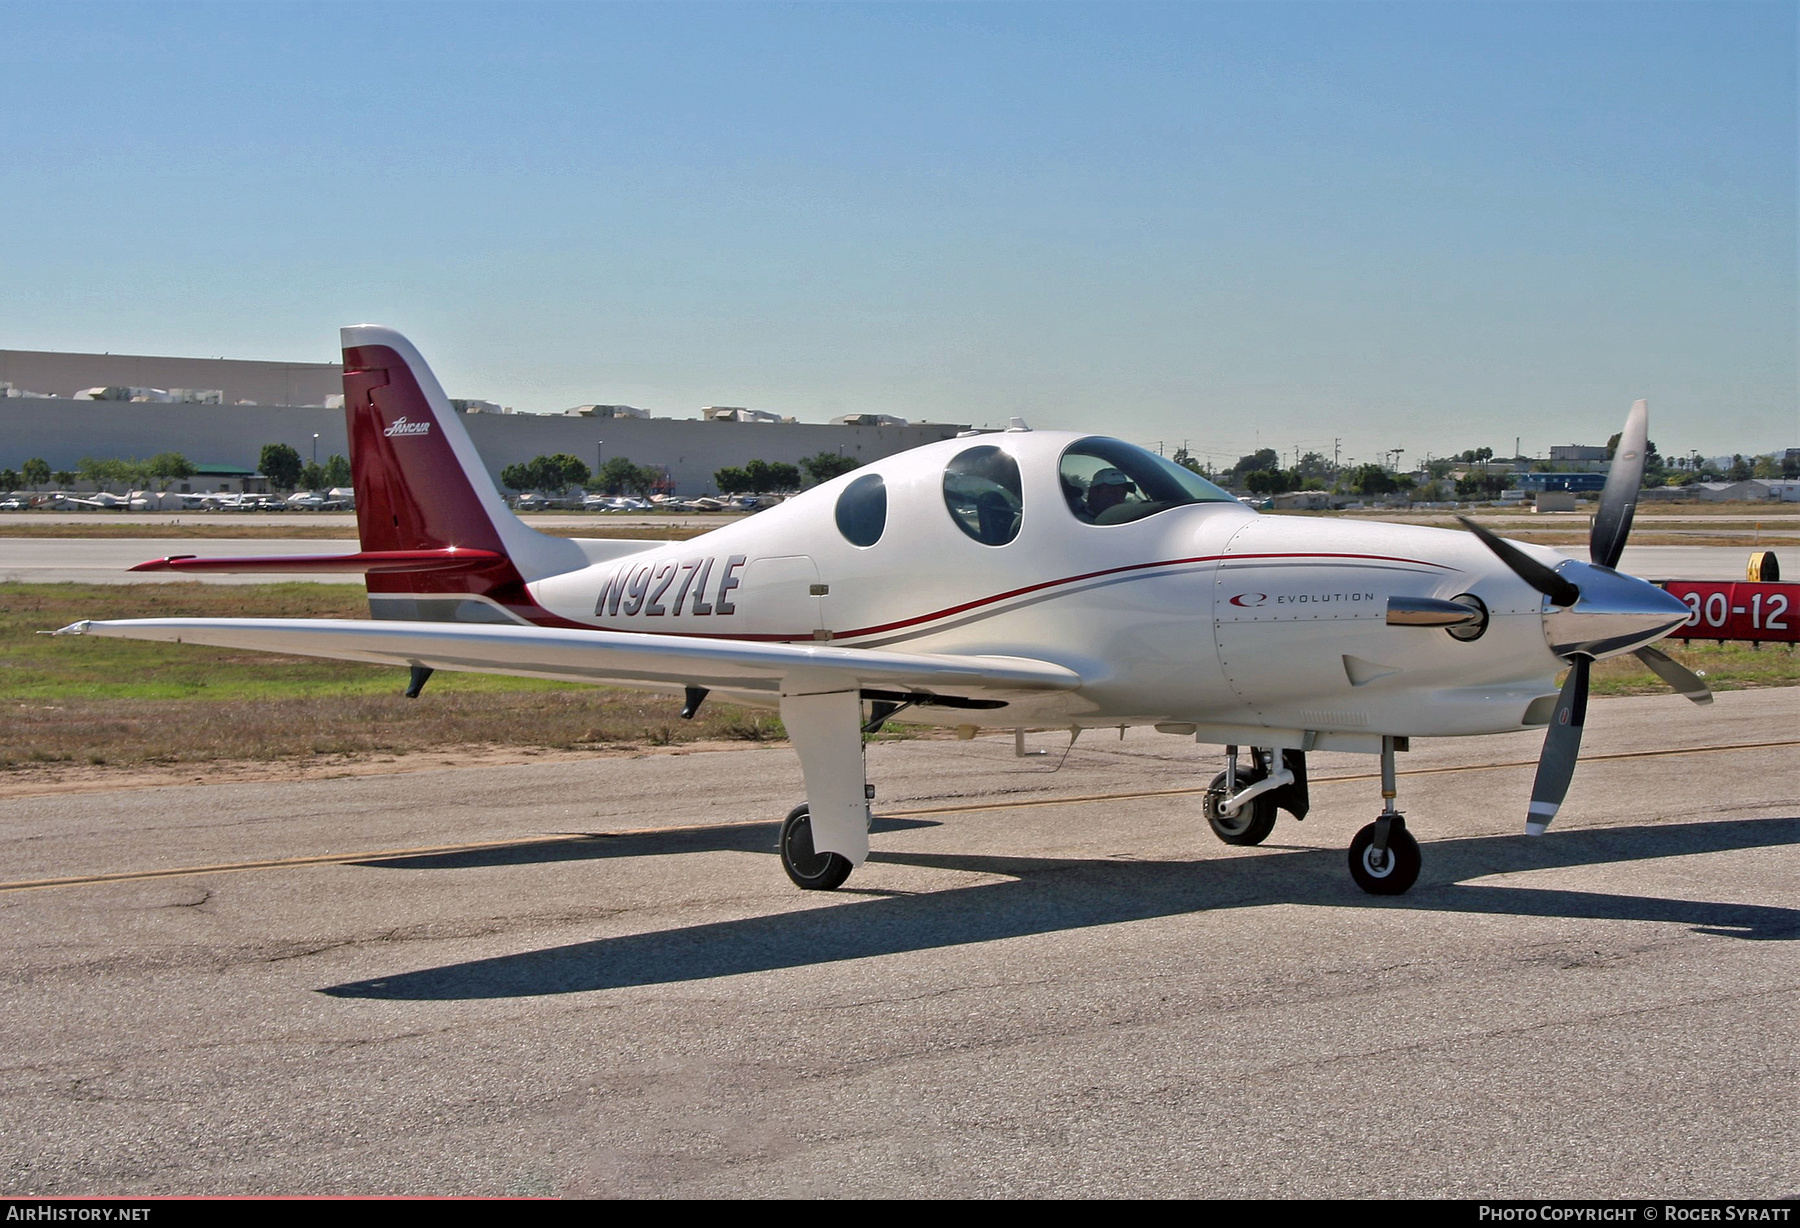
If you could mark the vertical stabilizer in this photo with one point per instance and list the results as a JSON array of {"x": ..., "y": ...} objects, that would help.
[{"x": 420, "y": 485}]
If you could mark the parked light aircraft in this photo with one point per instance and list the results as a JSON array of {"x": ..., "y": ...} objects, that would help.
[
  {"x": 104, "y": 500},
  {"x": 1010, "y": 579}
]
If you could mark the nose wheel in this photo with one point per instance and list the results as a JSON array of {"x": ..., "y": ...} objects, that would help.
[
  {"x": 1389, "y": 871},
  {"x": 810, "y": 871},
  {"x": 1384, "y": 858}
]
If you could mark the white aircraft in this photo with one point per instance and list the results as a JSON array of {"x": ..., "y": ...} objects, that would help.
[
  {"x": 237, "y": 502},
  {"x": 1022, "y": 578},
  {"x": 103, "y": 500},
  {"x": 313, "y": 501}
]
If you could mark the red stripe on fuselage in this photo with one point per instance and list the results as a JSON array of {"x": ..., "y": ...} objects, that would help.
[{"x": 545, "y": 618}]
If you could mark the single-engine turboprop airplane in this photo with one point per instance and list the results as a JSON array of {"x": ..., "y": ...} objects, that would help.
[{"x": 1001, "y": 580}]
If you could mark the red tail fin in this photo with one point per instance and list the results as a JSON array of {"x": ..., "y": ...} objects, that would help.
[{"x": 420, "y": 485}]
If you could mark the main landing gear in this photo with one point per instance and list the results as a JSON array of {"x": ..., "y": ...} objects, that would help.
[
  {"x": 810, "y": 871},
  {"x": 1242, "y": 800}
]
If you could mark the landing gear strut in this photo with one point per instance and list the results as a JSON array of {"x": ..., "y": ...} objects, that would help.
[
  {"x": 1252, "y": 820},
  {"x": 1384, "y": 858},
  {"x": 1242, "y": 800}
]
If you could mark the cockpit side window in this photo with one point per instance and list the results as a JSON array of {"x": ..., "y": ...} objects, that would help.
[
  {"x": 984, "y": 496},
  {"x": 1109, "y": 481}
]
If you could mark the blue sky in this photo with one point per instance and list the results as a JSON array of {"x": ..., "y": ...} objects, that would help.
[{"x": 1432, "y": 225}]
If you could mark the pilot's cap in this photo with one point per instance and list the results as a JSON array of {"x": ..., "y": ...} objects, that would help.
[{"x": 1110, "y": 476}]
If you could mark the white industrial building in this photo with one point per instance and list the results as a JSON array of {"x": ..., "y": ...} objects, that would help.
[{"x": 250, "y": 404}]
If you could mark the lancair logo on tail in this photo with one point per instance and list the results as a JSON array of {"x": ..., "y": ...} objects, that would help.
[{"x": 403, "y": 427}]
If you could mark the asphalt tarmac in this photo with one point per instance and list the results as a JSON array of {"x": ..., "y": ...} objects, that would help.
[
  {"x": 107, "y": 560},
  {"x": 592, "y": 978}
]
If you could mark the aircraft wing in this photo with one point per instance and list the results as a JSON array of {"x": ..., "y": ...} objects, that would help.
[{"x": 626, "y": 658}]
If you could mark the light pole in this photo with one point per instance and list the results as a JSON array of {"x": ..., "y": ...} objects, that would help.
[{"x": 315, "y": 447}]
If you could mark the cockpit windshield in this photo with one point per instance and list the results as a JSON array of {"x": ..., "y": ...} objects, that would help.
[{"x": 1109, "y": 481}]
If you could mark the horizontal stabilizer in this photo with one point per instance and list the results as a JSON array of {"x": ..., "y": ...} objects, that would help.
[
  {"x": 606, "y": 656},
  {"x": 448, "y": 558}
]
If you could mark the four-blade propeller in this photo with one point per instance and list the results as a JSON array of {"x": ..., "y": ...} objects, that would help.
[{"x": 1606, "y": 543}]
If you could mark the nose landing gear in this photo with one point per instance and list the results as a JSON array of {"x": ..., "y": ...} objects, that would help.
[{"x": 1384, "y": 857}]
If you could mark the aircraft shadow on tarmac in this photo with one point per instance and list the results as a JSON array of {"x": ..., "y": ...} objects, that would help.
[
  {"x": 598, "y": 846},
  {"x": 1041, "y": 896}
]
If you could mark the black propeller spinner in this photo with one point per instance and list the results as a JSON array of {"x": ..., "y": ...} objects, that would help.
[{"x": 1606, "y": 543}]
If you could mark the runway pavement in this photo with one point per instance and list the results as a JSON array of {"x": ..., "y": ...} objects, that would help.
[
  {"x": 592, "y": 978},
  {"x": 108, "y": 560}
]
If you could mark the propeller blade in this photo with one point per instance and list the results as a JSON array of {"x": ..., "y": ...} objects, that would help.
[
  {"x": 1528, "y": 569},
  {"x": 1682, "y": 680},
  {"x": 1618, "y": 502},
  {"x": 1562, "y": 745}
]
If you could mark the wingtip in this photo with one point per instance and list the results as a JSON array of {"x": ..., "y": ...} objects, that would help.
[{"x": 80, "y": 628}]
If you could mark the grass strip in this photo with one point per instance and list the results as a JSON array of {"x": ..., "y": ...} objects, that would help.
[{"x": 106, "y": 701}]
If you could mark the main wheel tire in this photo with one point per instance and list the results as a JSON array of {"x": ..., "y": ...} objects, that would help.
[
  {"x": 1252, "y": 823},
  {"x": 1398, "y": 872},
  {"x": 810, "y": 871}
]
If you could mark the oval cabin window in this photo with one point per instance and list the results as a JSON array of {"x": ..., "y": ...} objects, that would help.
[
  {"x": 982, "y": 491},
  {"x": 862, "y": 510}
]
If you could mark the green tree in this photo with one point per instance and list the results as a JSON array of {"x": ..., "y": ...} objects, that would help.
[
  {"x": 36, "y": 472},
  {"x": 1312, "y": 466},
  {"x": 1741, "y": 470},
  {"x": 337, "y": 471},
  {"x": 617, "y": 476},
  {"x": 1268, "y": 481},
  {"x": 1373, "y": 480},
  {"x": 168, "y": 467},
  {"x": 645, "y": 479},
  {"x": 550, "y": 474},
  {"x": 824, "y": 466},
  {"x": 9, "y": 481},
  {"x": 1262, "y": 458},
  {"x": 281, "y": 465},
  {"x": 1480, "y": 485},
  {"x": 64, "y": 477},
  {"x": 731, "y": 480},
  {"x": 108, "y": 471},
  {"x": 1186, "y": 460},
  {"x": 312, "y": 476},
  {"x": 564, "y": 471},
  {"x": 765, "y": 476}
]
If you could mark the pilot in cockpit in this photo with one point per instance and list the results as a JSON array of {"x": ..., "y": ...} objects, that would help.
[
  {"x": 1111, "y": 482},
  {"x": 1107, "y": 489}
]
